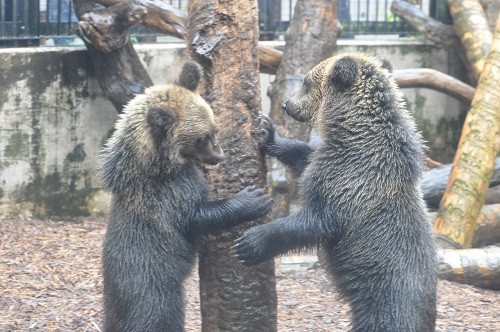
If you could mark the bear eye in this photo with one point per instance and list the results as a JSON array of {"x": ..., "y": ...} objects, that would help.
[
  {"x": 201, "y": 141},
  {"x": 306, "y": 83}
]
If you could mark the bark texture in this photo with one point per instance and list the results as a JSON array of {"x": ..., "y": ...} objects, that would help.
[
  {"x": 478, "y": 267},
  {"x": 475, "y": 157},
  {"x": 433, "y": 30},
  {"x": 472, "y": 27},
  {"x": 223, "y": 37},
  {"x": 488, "y": 227},
  {"x": 118, "y": 68},
  {"x": 435, "y": 181},
  {"x": 311, "y": 38}
]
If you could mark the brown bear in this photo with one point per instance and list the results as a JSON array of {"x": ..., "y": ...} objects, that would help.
[
  {"x": 160, "y": 204},
  {"x": 362, "y": 202}
]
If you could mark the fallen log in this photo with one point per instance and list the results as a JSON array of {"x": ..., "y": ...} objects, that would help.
[
  {"x": 435, "y": 181},
  {"x": 478, "y": 267}
]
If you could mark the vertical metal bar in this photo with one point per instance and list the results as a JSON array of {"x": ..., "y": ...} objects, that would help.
[
  {"x": 70, "y": 12},
  {"x": 367, "y": 22},
  {"x": 14, "y": 18},
  {"x": 36, "y": 17},
  {"x": 358, "y": 19},
  {"x": 385, "y": 17},
  {"x": 26, "y": 12},
  {"x": 47, "y": 18},
  {"x": 2, "y": 16},
  {"x": 58, "y": 26}
]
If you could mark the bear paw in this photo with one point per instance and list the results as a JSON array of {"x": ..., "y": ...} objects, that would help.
[
  {"x": 267, "y": 133},
  {"x": 251, "y": 246}
]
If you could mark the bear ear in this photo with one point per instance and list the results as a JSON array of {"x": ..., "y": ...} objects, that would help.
[
  {"x": 190, "y": 76},
  {"x": 387, "y": 64},
  {"x": 161, "y": 118},
  {"x": 344, "y": 72}
]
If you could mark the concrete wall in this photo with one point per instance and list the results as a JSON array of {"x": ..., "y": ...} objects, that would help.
[{"x": 54, "y": 119}]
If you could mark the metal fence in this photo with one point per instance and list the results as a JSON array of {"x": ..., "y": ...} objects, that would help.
[{"x": 34, "y": 22}]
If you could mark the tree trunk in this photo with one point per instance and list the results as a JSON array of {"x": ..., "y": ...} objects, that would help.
[
  {"x": 475, "y": 158},
  {"x": 478, "y": 267},
  {"x": 223, "y": 36},
  {"x": 311, "y": 38},
  {"x": 472, "y": 27},
  {"x": 488, "y": 227}
]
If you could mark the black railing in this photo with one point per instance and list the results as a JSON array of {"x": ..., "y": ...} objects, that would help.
[{"x": 35, "y": 22}]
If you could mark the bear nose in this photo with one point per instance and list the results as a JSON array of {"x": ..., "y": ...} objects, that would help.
[{"x": 284, "y": 105}]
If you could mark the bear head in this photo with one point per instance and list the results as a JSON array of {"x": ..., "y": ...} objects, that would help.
[
  {"x": 162, "y": 129},
  {"x": 340, "y": 77}
]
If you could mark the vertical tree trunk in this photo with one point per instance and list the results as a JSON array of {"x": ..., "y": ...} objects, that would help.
[
  {"x": 472, "y": 27},
  {"x": 475, "y": 158},
  {"x": 223, "y": 37},
  {"x": 311, "y": 38}
]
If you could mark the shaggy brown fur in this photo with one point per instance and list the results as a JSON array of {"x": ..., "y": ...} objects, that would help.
[
  {"x": 361, "y": 194},
  {"x": 161, "y": 204}
]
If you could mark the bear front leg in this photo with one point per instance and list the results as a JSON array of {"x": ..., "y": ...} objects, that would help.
[
  {"x": 292, "y": 153},
  {"x": 249, "y": 204},
  {"x": 263, "y": 242}
]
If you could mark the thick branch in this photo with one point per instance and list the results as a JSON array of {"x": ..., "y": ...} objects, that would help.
[
  {"x": 107, "y": 26},
  {"x": 435, "y": 181},
  {"x": 120, "y": 72},
  {"x": 269, "y": 59},
  {"x": 433, "y": 79},
  {"x": 435, "y": 31},
  {"x": 440, "y": 33}
]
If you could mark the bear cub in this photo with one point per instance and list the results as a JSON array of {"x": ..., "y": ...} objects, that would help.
[
  {"x": 160, "y": 204},
  {"x": 362, "y": 202}
]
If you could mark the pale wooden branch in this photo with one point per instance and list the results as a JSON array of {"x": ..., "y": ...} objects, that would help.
[{"x": 433, "y": 79}]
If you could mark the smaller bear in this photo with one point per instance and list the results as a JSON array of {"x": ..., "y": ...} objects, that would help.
[
  {"x": 362, "y": 202},
  {"x": 160, "y": 204}
]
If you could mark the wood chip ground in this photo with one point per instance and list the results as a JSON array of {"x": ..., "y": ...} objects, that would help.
[{"x": 50, "y": 281}]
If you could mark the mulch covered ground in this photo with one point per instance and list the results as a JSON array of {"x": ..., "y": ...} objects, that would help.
[{"x": 50, "y": 281}]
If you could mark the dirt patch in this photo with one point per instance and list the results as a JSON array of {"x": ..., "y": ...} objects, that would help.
[{"x": 50, "y": 281}]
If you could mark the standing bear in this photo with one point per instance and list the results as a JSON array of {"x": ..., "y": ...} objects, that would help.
[
  {"x": 160, "y": 204},
  {"x": 362, "y": 202}
]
